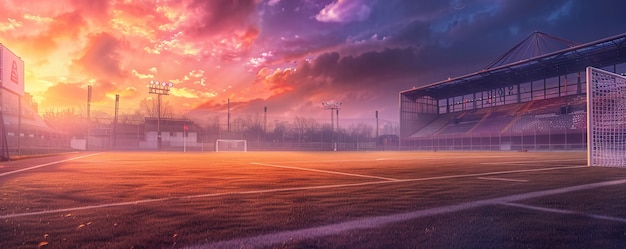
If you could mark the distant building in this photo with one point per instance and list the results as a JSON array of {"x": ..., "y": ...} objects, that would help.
[{"x": 175, "y": 133}]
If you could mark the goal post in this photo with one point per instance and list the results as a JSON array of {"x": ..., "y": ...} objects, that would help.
[
  {"x": 606, "y": 118},
  {"x": 231, "y": 145}
]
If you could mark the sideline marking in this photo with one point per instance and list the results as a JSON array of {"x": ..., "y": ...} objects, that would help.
[
  {"x": 564, "y": 211},
  {"x": 127, "y": 203},
  {"x": 325, "y": 171},
  {"x": 45, "y": 164},
  {"x": 542, "y": 161},
  {"x": 378, "y": 221},
  {"x": 384, "y": 159},
  {"x": 502, "y": 179},
  {"x": 431, "y": 158}
]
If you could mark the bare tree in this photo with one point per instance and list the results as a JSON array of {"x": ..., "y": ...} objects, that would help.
[
  {"x": 254, "y": 126},
  {"x": 149, "y": 107},
  {"x": 304, "y": 127},
  {"x": 280, "y": 131},
  {"x": 68, "y": 121},
  {"x": 361, "y": 131},
  {"x": 133, "y": 118},
  {"x": 299, "y": 123}
]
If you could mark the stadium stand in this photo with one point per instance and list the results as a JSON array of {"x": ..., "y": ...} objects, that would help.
[{"x": 536, "y": 102}]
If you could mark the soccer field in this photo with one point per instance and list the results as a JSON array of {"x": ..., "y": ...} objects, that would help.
[{"x": 312, "y": 200}]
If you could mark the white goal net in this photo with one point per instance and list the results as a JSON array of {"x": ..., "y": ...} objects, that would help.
[
  {"x": 230, "y": 145},
  {"x": 606, "y": 118}
]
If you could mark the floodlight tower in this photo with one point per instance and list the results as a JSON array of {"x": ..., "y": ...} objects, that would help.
[
  {"x": 159, "y": 88},
  {"x": 332, "y": 106}
]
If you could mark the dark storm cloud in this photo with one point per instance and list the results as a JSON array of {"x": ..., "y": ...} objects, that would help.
[
  {"x": 365, "y": 62},
  {"x": 460, "y": 37},
  {"x": 369, "y": 67}
]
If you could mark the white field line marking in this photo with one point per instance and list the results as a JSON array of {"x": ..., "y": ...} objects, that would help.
[
  {"x": 488, "y": 173},
  {"x": 268, "y": 240},
  {"x": 502, "y": 179},
  {"x": 268, "y": 191},
  {"x": 542, "y": 161},
  {"x": 432, "y": 158},
  {"x": 129, "y": 203},
  {"x": 45, "y": 164},
  {"x": 324, "y": 171},
  {"x": 563, "y": 211},
  {"x": 385, "y": 158}
]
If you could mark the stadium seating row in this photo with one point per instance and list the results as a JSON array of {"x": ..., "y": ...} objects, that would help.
[{"x": 543, "y": 116}]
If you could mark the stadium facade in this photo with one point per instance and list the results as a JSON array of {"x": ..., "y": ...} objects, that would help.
[
  {"x": 528, "y": 99},
  {"x": 21, "y": 129}
]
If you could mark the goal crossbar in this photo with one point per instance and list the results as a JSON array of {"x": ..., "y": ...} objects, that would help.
[{"x": 231, "y": 145}]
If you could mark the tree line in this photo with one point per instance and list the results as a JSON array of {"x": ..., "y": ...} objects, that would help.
[{"x": 251, "y": 127}]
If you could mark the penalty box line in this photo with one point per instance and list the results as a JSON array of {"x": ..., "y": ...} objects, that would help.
[
  {"x": 45, "y": 164},
  {"x": 532, "y": 162},
  {"x": 324, "y": 171},
  {"x": 565, "y": 211}
]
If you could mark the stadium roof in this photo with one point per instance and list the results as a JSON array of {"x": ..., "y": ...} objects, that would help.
[{"x": 599, "y": 53}]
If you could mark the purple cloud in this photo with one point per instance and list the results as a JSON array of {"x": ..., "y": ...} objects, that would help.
[{"x": 344, "y": 11}]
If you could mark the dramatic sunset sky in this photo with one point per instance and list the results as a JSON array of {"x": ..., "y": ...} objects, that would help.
[{"x": 288, "y": 55}]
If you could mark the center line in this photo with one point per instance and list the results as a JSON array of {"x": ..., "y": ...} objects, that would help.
[{"x": 325, "y": 171}]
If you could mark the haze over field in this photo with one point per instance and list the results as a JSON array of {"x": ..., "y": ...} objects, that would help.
[{"x": 288, "y": 55}]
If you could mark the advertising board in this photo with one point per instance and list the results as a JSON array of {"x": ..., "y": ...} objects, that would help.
[{"x": 11, "y": 71}]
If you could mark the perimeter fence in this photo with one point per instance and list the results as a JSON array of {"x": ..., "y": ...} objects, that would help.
[{"x": 551, "y": 140}]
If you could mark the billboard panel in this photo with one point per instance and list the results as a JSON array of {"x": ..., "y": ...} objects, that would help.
[{"x": 11, "y": 71}]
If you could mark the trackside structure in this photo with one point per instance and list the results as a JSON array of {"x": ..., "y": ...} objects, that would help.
[{"x": 531, "y": 98}]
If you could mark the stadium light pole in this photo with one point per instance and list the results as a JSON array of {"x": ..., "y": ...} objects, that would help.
[
  {"x": 114, "y": 132},
  {"x": 159, "y": 88},
  {"x": 376, "y": 128},
  {"x": 228, "y": 121},
  {"x": 332, "y": 106},
  {"x": 88, "y": 116}
]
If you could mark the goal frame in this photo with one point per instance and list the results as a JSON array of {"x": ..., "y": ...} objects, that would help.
[
  {"x": 245, "y": 145},
  {"x": 606, "y": 146}
]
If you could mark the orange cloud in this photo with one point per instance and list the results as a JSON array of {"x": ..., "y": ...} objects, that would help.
[
  {"x": 66, "y": 25},
  {"x": 279, "y": 81},
  {"x": 57, "y": 96},
  {"x": 101, "y": 57}
]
